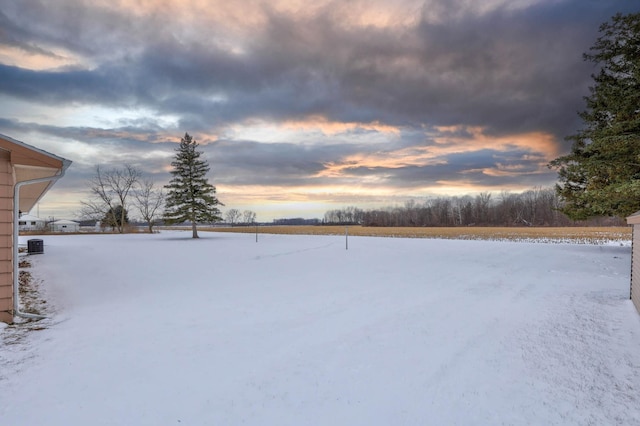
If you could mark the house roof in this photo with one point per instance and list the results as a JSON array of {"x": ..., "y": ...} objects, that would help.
[
  {"x": 32, "y": 218},
  {"x": 634, "y": 219},
  {"x": 65, "y": 222},
  {"x": 31, "y": 163}
]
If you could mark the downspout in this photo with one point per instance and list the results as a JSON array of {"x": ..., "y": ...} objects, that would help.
[{"x": 16, "y": 218}]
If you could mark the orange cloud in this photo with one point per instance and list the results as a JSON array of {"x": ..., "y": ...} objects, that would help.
[
  {"x": 273, "y": 194},
  {"x": 451, "y": 141},
  {"x": 542, "y": 148},
  {"x": 17, "y": 57},
  {"x": 322, "y": 124},
  {"x": 267, "y": 131}
]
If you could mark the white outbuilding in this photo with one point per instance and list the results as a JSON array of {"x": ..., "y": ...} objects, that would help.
[
  {"x": 27, "y": 222},
  {"x": 65, "y": 226}
]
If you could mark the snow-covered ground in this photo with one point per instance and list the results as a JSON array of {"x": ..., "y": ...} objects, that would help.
[{"x": 295, "y": 330}]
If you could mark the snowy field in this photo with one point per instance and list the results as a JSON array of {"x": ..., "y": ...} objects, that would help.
[{"x": 295, "y": 330}]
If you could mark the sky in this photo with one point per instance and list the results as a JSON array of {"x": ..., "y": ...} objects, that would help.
[{"x": 300, "y": 107}]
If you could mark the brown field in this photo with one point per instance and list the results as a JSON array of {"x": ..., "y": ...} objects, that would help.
[{"x": 589, "y": 235}]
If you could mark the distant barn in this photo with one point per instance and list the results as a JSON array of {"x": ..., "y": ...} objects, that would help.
[
  {"x": 65, "y": 226},
  {"x": 634, "y": 220}
]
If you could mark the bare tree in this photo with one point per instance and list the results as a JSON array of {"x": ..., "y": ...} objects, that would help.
[
  {"x": 110, "y": 189},
  {"x": 482, "y": 207},
  {"x": 149, "y": 201},
  {"x": 248, "y": 217},
  {"x": 233, "y": 216}
]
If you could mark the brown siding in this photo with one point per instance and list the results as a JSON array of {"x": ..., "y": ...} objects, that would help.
[
  {"x": 6, "y": 215},
  {"x": 6, "y": 253},
  {"x": 6, "y": 267},
  {"x": 6, "y": 292},
  {"x": 6, "y": 240},
  {"x": 6, "y": 191},
  {"x": 6, "y": 316},
  {"x": 635, "y": 267}
]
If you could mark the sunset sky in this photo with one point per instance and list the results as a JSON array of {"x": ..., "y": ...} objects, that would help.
[{"x": 299, "y": 106}]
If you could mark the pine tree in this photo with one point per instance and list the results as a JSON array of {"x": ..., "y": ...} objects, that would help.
[
  {"x": 190, "y": 197},
  {"x": 601, "y": 174}
]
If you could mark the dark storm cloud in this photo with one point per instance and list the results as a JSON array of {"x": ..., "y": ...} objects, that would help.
[
  {"x": 127, "y": 136},
  {"x": 66, "y": 87},
  {"x": 509, "y": 70},
  {"x": 503, "y": 70},
  {"x": 81, "y": 27},
  {"x": 468, "y": 168},
  {"x": 247, "y": 162},
  {"x": 13, "y": 35}
]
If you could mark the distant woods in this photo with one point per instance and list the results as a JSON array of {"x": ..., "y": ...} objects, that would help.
[{"x": 535, "y": 207}]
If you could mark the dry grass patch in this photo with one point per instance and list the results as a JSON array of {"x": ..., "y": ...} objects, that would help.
[
  {"x": 29, "y": 288},
  {"x": 586, "y": 235},
  {"x": 14, "y": 336}
]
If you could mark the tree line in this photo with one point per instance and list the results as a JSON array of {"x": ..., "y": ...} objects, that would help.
[
  {"x": 236, "y": 217},
  {"x": 535, "y": 207}
]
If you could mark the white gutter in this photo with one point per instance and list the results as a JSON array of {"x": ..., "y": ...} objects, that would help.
[{"x": 16, "y": 218}]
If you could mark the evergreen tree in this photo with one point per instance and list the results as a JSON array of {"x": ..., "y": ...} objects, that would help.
[
  {"x": 190, "y": 197},
  {"x": 601, "y": 174}
]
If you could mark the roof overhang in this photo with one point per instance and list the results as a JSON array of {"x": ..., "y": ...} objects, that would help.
[
  {"x": 634, "y": 219},
  {"x": 31, "y": 163}
]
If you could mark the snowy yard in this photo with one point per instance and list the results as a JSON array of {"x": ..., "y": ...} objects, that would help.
[{"x": 295, "y": 330}]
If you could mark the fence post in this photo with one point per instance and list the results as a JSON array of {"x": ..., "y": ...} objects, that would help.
[{"x": 346, "y": 238}]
